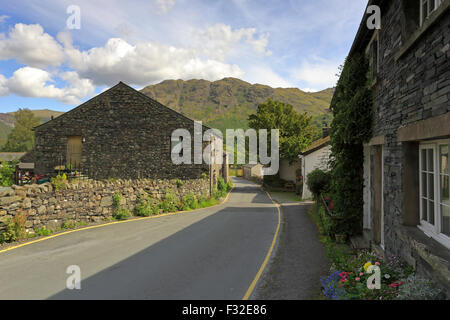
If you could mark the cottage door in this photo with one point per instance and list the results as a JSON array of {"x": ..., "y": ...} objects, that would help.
[
  {"x": 378, "y": 195},
  {"x": 74, "y": 151}
]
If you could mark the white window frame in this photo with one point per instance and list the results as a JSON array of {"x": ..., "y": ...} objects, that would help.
[
  {"x": 433, "y": 231},
  {"x": 424, "y": 17}
]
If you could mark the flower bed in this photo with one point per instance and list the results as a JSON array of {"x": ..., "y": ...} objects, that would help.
[{"x": 354, "y": 273}]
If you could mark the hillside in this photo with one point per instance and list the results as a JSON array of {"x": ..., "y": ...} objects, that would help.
[
  {"x": 7, "y": 121},
  {"x": 222, "y": 104},
  {"x": 227, "y": 103}
]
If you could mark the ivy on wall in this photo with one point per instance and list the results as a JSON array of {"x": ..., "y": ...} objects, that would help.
[{"x": 350, "y": 128}]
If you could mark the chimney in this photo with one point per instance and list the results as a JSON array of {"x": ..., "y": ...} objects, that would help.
[{"x": 325, "y": 132}]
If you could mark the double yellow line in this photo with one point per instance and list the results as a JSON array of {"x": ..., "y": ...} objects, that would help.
[
  {"x": 269, "y": 253},
  {"x": 109, "y": 224}
]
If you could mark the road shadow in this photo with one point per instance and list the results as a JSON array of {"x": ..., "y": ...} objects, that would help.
[{"x": 214, "y": 258}]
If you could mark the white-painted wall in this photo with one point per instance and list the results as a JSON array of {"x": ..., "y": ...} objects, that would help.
[
  {"x": 287, "y": 171},
  {"x": 315, "y": 160}
]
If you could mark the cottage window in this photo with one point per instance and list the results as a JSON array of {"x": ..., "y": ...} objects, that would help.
[
  {"x": 434, "y": 163},
  {"x": 427, "y": 7},
  {"x": 373, "y": 54}
]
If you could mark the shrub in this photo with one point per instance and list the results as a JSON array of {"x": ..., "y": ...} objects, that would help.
[
  {"x": 6, "y": 174},
  {"x": 146, "y": 206},
  {"x": 59, "y": 182},
  {"x": 171, "y": 202},
  {"x": 318, "y": 182},
  {"x": 179, "y": 183},
  {"x": 120, "y": 213},
  {"x": 42, "y": 231},
  {"x": 15, "y": 229},
  {"x": 68, "y": 224},
  {"x": 189, "y": 202}
]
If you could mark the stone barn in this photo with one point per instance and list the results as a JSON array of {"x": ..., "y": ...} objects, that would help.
[{"x": 121, "y": 133}]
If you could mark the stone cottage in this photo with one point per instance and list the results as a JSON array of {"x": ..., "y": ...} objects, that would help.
[
  {"x": 406, "y": 168},
  {"x": 121, "y": 133}
]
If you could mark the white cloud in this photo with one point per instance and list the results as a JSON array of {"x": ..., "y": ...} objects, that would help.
[
  {"x": 317, "y": 74},
  {"x": 3, "y": 18},
  {"x": 33, "y": 82},
  {"x": 29, "y": 45},
  {"x": 4, "y": 91},
  {"x": 164, "y": 6},
  {"x": 265, "y": 75},
  {"x": 145, "y": 63},
  {"x": 217, "y": 41}
]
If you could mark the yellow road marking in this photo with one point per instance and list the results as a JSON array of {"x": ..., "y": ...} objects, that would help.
[
  {"x": 111, "y": 223},
  {"x": 269, "y": 253}
]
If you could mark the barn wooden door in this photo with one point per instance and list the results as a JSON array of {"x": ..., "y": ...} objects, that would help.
[{"x": 74, "y": 151}]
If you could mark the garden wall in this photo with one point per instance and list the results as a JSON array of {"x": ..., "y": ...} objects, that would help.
[{"x": 85, "y": 200}]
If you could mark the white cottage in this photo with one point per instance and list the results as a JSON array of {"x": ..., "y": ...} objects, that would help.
[{"x": 314, "y": 157}]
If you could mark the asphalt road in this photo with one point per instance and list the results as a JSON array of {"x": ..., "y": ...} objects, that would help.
[{"x": 213, "y": 253}]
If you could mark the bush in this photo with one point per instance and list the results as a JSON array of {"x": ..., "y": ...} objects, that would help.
[
  {"x": 318, "y": 182},
  {"x": 59, "y": 182},
  {"x": 120, "y": 213},
  {"x": 171, "y": 202},
  {"x": 42, "y": 232},
  {"x": 6, "y": 174},
  {"x": 146, "y": 206},
  {"x": 15, "y": 229},
  {"x": 189, "y": 202}
]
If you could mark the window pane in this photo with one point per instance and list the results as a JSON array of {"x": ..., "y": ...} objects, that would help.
[
  {"x": 424, "y": 160},
  {"x": 443, "y": 156},
  {"x": 430, "y": 186},
  {"x": 424, "y": 209},
  {"x": 431, "y": 212},
  {"x": 445, "y": 220},
  {"x": 424, "y": 185},
  {"x": 445, "y": 192},
  {"x": 430, "y": 160}
]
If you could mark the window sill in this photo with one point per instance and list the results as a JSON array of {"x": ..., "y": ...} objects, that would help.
[
  {"x": 435, "y": 16},
  {"x": 436, "y": 255}
]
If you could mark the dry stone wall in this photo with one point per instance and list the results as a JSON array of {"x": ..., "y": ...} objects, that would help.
[{"x": 85, "y": 200}]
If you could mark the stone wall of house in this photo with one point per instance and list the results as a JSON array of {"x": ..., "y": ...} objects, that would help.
[
  {"x": 85, "y": 200},
  {"x": 414, "y": 87},
  {"x": 125, "y": 135}
]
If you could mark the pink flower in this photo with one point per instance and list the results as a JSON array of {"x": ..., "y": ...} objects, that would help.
[
  {"x": 361, "y": 274},
  {"x": 377, "y": 263},
  {"x": 357, "y": 278}
]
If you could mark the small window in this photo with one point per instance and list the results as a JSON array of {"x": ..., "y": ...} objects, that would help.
[
  {"x": 434, "y": 177},
  {"x": 373, "y": 55},
  {"x": 427, "y": 8}
]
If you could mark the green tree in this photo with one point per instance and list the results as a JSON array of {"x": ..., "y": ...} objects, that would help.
[
  {"x": 21, "y": 138},
  {"x": 296, "y": 129}
]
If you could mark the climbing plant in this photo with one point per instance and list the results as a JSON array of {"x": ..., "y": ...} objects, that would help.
[{"x": 350, "y": 128}]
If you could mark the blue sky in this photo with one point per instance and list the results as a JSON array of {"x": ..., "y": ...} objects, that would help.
[{"x": 288, "y": 43}]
